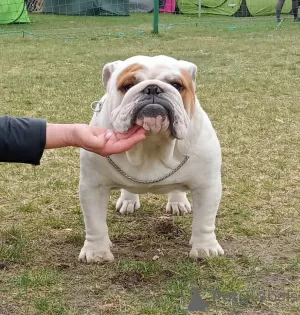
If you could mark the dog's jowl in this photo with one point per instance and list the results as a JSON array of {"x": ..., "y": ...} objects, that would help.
[{"x": 181, "y": 153}]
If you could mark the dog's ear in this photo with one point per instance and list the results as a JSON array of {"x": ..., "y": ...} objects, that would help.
[
  {"x": 191, "y": 68},
  {"x": 108, "y": 69}
]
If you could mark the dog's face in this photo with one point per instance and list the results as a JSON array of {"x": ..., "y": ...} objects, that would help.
[{"x": 157, "y": 93}]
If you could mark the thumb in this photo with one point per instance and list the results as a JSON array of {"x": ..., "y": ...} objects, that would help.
[{"x": 96, "y": 143}]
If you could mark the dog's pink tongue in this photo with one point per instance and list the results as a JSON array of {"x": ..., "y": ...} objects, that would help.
[{"x": 154, "y": 124}]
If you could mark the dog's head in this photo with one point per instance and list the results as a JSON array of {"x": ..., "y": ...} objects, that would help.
[{"x": 157, "y": 93}]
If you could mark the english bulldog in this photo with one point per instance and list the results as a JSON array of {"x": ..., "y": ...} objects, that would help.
[{"x": 181, "y": 152}]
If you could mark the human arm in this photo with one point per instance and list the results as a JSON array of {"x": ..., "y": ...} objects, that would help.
[
  {"x": 91, "y": 138},
  {"x": 23, "y": 140}
]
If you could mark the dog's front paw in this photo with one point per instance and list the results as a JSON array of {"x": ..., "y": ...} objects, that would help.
[
  {"x": 128, "y": 205},
  {"x": 206, "y": 249},
  {"x": 95, "y": 252},
  {"x": 179, "y": 207}
]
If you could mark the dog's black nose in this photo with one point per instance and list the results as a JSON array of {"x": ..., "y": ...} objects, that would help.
[{"x": 153, "y": 90}]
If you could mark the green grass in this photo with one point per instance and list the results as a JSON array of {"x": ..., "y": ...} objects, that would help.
[{"x": 248, "y": 83}]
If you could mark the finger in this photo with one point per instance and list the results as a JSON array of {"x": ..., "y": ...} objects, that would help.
[
  {"x": 126, "y": 144},
  {"x": 110, "y": 135},
  {"x": 140, "y": 131},
  {"x": 130, "y": 132}
]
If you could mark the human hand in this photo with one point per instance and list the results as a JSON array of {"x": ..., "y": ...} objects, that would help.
[{"x": 105, "y": 142}]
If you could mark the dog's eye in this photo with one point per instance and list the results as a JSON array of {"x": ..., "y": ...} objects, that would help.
[
  {"x": 125, "y": 88},
  {"x": 177, "y": 86}
]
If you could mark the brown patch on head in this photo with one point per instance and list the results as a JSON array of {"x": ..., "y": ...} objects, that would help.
[
  {"x": 127, "y": 77},
  {"x": 188, "y": 93}
]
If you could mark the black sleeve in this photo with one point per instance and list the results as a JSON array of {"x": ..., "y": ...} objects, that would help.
[{"x": 22, "y": 140}]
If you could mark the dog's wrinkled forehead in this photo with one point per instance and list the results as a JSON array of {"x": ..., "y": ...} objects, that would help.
[
  {"x": 146, "y": 68},
  {"x": 149, "y": 71}
]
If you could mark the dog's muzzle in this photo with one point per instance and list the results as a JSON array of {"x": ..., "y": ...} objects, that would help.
[
  {"x": 154, "y": 112},
  {"x": 153, "y": 109}
]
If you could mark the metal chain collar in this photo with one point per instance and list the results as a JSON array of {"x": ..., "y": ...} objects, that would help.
[
  {"x": 95, "y": 109},
  {"x": 147, "y": 181}
]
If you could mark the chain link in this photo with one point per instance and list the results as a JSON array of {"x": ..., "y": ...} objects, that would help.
[
  {"x": 147, "y": 181},
  {"x": 99, "y": 104}
]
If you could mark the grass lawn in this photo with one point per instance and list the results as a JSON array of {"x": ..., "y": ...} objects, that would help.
[{"x": 248, "y": 83}]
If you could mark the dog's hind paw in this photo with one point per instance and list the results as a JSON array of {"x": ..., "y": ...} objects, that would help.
[
  {"x": 91, "y": 252},
  {"x": 179, "y": 208},
  {"x": 178, "y": 203},
  {"x": 128, "y": 202},
  {"x": 206, "y": 250}
]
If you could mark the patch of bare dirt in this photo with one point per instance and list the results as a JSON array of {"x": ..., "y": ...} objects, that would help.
[
  {"x": 166, "y": 226},
  {"x": 257, "y": 312},
  {"x": 9, "y": 309},
  {"x": 4, "y": 265},
  {"x": 159, "y": 237},
  {"x": 267, "y": 250},
  {"x": 278, "y": 280},
  {"x": 128, "y": 279},
  {"x": 165, "y": 274}
]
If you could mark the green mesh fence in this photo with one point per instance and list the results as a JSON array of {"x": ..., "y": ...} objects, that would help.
[{"x": 71, "y": 19}]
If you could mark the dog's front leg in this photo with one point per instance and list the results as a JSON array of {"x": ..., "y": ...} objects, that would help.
[
  {"x": 94, "y": 201},
  {"x": 205, "y": 206}
]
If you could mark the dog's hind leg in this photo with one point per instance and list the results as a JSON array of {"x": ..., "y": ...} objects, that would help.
[
  {"x": 127, "y": 202},
  {"x": 178, "y": 203}
]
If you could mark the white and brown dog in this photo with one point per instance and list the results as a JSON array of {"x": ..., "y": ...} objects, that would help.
[{"x": 181, "y": 152}]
